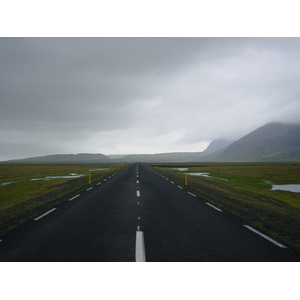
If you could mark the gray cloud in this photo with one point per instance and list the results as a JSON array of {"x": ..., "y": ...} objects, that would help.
[{"x": 141, "y": 95}]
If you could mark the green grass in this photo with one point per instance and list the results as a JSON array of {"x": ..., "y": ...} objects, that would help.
[
  {"x": 12, "y": 172},
  {"x": 246, "y": 193},
  {"x": 24, "y": 189},
  {"x": 25, "y": 196}
]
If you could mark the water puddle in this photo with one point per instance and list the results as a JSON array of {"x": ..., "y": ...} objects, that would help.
[
  {"x": 6, "y": 183},
  {"x": 180, "y": 169},
  {"x": 295, "y": 188},
  {"x": 69, "y": 176},
  {"x": 198, "y": 174},
  {"x": 205, "y": 175},
  {"x": 72, "y": 175}
]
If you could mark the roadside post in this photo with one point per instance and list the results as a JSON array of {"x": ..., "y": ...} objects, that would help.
[
  {"x": 90, "y": 178},
  {"x": 186, "y": 180}
]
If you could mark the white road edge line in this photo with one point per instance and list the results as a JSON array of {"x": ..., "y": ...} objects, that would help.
[
  {"x": 266, "y": 237},
  {"x": 138, "y": 193},
  {"x": 98, "y": 183},
  {"x": 74, "y": 197},
  {"x": 89, "y": 189},
  {"x": 46, "y": 213},
  {"x": 192, "y": 194},
  {"x": 213, "y": 206},
  {"x": 179, "y": 186},
  {"x": 140, "y": 255}
]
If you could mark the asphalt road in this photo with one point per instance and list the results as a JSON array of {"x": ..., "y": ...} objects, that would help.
[{"x": 138, "y": 215}]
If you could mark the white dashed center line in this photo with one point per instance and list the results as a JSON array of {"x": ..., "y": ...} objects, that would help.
[
  {"x": 89, "y": 189},
  {"x": 140, "y": 255},
  {"x": 138, "y": 193}
]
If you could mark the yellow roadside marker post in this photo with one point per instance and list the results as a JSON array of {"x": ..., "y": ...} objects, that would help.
[
  {"x": 186, "y": 180},
  {"x": 90, "y": 178}
]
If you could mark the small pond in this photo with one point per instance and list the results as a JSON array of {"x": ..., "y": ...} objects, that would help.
[{"x": 295, "y": 188}]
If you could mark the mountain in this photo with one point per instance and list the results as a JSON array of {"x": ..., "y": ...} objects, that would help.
[
  {"x": 163, "y": 157},
  {"x": 217, "y": 145},
  {"x": 271, "y": 142},
  {"x": 64, "y": 158},
  {"x": 116, "y": 156}
]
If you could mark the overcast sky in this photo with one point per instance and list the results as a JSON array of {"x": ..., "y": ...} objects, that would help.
[{"x": 141, "y": 95}]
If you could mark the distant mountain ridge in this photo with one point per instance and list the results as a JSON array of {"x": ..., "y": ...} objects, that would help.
[
  {"x": 273, "y": 142},
  {"x": 163, "y": 157},
  {"x": 217, "y": 145},
  {"x": 64, "y": 158}
]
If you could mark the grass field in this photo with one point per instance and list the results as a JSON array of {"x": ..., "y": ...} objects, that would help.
[
  {"x": 244, "y": 191},
  {"x": 25, "y": 195}
]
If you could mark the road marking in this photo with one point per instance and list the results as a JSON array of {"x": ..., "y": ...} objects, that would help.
[
  {"x": 104, "y": 179},
  {"x": 139, "y": 218},
  {"x": 46, "y": 213},
  {"x": 140, "y": 255},
  {"x": 74, "y": 197},
  {"x": 137, "y": 181},
  {"x": 179, "y": 186},
  {"x": 138, "y": 203},
  {"x": 192, "y": 194},
  {"x": 137, "y": 175},
  {"x": 266, "y": 237},
  {"x": 89, "y": 189},
  {"x": 171, "y": 181},
  {"x": 138, "y": 193},
  {"x": 98, "y": 183},
  {"x": 167, "y": 178},
  {"x": 213, "y": 206}
]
